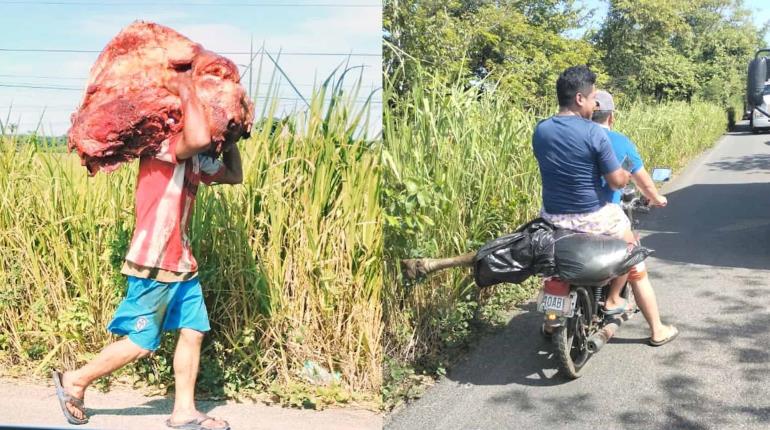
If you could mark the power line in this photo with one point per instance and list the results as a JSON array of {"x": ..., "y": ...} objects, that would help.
[
  {"x": 41, "y": 87},
  {"x": 44, "y": 87},
  {"x": 28, "y": 106},
  {"x": 287, "y": 78},
  {"x": 280, "y": 84},
  {"x": 92, "y": 51},
  {"x": 228, "y": 4},
  {"x": 14, "y": 110},
  {"x": 62, "y": 88},
  {"x": 43, "y": 77},
  {"x": 61, "y": 108}
]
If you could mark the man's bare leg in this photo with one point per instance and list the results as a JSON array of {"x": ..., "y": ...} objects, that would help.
[
  {"x": 646, "y": 300},
  {"x": 614, "y": 299},
  {"x": 111, "y": 358},
  {"x": 186, "y": 362},
  {"x": 648, "y": 304}
]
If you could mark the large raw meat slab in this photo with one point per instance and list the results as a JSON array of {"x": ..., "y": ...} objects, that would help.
[{"x": 127, "y": 112}]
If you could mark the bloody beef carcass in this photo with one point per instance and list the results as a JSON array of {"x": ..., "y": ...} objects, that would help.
[{"x": 127, "y": 112}]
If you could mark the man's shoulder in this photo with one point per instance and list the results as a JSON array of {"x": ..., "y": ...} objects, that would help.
[
  {"x": 544, "y": 122},
  {"x": 593, "y": 127},
  {"x": 618, "y": 137},
  {"x": 617, "y": 134},
  {"x": 575, "y": 122}
]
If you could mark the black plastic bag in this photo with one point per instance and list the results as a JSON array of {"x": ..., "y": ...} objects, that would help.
[
  {"x": 517, "y": 256},
  {"x": 590, "y": 259}
]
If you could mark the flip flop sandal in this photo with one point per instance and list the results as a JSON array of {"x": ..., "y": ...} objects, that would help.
[
  {"x": 664, "y": 341},
  {"x": 65, "y": 398},
  {"x": 197, "y": 424},
  {"x": 618, "y": 310}
]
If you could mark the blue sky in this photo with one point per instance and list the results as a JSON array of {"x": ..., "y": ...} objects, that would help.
[{"x": 289, "y": 26}]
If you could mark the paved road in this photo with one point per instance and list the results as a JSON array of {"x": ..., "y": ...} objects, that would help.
[
  {"x": 712, "y": 274},
  {"x": 122, "y": 409}
]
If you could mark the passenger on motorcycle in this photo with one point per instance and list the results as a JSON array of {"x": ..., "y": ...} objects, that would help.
[{"x": 627, "y": 154}]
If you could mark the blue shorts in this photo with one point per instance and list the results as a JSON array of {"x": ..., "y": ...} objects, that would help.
[{"x": 151, "y": 307}]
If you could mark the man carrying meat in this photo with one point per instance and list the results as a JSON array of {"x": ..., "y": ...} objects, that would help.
[{"x": 164, "y": 292}]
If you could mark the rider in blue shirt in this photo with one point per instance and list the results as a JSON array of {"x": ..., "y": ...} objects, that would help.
[
  {"x": 626, "y": 153},
  {"x": 628, "y": 156}
]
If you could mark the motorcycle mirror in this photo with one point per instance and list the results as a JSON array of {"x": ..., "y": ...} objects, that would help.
[{"x": 661, "y": 174}]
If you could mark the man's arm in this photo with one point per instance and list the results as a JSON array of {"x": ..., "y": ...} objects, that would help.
[
  {"x": 196, "y": 135},
  {"x": 233, "y": 171},
  {"x": 618, "y": 178},
  {"x": 647, "y": 187}
]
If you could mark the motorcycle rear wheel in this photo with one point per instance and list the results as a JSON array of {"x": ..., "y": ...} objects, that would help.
[{"x": 571, "y": 339}]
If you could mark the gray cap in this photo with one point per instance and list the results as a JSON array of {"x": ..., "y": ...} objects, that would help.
[{"x": 604, "y": 101}]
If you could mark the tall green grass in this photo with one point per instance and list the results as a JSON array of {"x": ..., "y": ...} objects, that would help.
[
  {"x": 671, "y": 134},
  {"x": 459, "y": 171},
  {"x": 290, "y": 261}
]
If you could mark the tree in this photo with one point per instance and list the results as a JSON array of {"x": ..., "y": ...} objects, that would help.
[
  {"x": 676, "y": 50},
  {"x": 516, "y": 46}
]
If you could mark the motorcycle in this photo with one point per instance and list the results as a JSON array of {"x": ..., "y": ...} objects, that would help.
[{"x": 574, "y": 314}]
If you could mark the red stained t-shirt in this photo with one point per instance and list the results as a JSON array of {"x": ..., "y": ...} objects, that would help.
[{"x": 165, "y": 197}]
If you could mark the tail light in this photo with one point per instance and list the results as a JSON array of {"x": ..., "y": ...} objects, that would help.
[{"x": 556, "y": 287}]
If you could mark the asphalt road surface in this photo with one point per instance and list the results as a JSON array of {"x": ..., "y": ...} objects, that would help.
[{"x": 711, "y": 272}]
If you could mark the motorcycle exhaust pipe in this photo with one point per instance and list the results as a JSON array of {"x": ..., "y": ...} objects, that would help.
[{"x": 597, "y": 340}]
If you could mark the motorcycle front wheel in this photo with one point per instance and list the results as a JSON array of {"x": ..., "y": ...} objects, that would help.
[{"x": 571, "y": 339}]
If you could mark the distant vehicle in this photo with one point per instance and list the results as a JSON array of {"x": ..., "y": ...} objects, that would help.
[{"x": 758, "y": 121}]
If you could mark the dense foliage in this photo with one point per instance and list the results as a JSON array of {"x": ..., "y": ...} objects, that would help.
[{"x": 644, "y": 48}]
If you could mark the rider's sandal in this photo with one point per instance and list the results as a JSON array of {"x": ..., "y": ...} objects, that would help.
[
  {"x": 619, "y": 309},
  {"x": 666, "y": 340}
]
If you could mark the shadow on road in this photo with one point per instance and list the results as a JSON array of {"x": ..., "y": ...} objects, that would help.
[
  {"x": 726, "y": 225},
  {"x": 518, "y": 354},
  {"x": 745, "y": 163},
  {"x": 717, "y": 347},
  {"x": 153, "y": 407}
]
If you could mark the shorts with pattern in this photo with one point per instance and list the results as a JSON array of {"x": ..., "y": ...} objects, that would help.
[
  {"x": 609, "y": 220},
  {"x": 151, "y": 307}
]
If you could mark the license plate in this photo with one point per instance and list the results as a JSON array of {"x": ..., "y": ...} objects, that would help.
[
  {"x": 561, "y": 305},
  {"x": 553, "y": 303}
]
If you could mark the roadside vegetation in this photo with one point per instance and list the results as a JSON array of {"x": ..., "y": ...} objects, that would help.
[{"x": 466, "y": 82}]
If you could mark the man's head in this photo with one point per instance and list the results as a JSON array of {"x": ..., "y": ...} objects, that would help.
[
  {"x": 605, "y": 108},
  {"x": 575, "y": 90}
]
